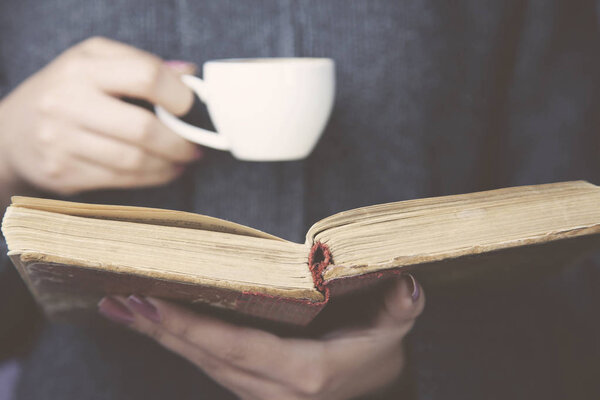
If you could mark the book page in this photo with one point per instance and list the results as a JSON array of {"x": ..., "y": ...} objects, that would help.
[
  {"x": 151, "y": 216},
  {"x": 195, "y": 256},
  {"x": 394, "y": 235}
]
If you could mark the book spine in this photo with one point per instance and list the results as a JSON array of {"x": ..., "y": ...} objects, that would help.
[{"x": 318, "y": 259}]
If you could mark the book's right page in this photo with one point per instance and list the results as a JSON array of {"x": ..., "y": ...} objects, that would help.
[{"x": 388, "y": 238}]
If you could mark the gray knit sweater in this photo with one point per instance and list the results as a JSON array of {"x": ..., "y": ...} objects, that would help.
[{"x": 433, "y": 98}]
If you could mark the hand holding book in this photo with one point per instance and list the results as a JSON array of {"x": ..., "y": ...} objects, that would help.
[{"x": 256, "y": 364}]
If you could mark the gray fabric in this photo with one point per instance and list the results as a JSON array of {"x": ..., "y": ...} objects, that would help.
[
  {"x": 433, "y": 98},
  {"x": 18, "y": 314},
  {"x": 9, "y": 373},
  {"x": 4, "y": 261}
]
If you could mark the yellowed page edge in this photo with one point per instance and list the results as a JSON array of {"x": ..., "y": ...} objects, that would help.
[{"x": 145, "y": 215}]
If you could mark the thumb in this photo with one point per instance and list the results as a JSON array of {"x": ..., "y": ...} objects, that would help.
[{"x": 402, "y": 304}]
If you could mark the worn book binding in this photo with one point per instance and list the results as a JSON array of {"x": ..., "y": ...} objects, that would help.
[{"x": 72, "y": 254}]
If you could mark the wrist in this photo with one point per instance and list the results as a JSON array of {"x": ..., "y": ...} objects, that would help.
[
  {"x": 10, "y": 182},
  {"x": 8, "y": 178}
]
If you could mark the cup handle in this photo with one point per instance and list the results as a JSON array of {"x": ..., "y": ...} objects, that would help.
[{"x": 190, "y": 132}]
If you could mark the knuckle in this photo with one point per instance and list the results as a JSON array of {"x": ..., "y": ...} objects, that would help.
[
  {"x": 156, "y": 333},
  {"x": 144, "y": 128},
  {"x": 126, "y": 180},
  {"x": 149, "y": 75},
  {"x": 133, "y": 160},
  {"x": 49, "y": 103},
  {"x": 212, "y": 366},
  {"x": 46, "y": 134},
  {"x": 73, "y": 66},
  {"x": 238, "y": 339},
  {"x": 184, "y": 331},
  {"x": 236, "y": 352},
  {"x": 93, "y": 42},
  {"x": 186, "y": 151},
  {"x": 53, "y": 168},
  {"x": 313, "y": 382},
  {"x": 71, "y": 62},
  {"x": 167, "y": 177},
  {"x": 158, "y": 180}
]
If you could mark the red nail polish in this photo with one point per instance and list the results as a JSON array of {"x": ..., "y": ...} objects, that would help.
[
  {"x": 143, "y": 307},
  {"x": 115, "y": 311}
]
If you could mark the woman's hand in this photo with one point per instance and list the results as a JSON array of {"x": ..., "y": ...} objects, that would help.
[
  {"x": 256, "y": 364},
  {"x": 66, "y": 130}
]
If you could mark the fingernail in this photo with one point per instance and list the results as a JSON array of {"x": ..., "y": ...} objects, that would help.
[
  {"x": 115, "y": 311},
  {"x": 198, "y": 153},
  {"x": 144, "y": 307},
  {"x": 180, "y": 65},
  {"x": 416, "y": 291}
]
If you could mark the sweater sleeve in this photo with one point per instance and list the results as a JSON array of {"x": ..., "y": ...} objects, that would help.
[{"x": 19, "y": 315}]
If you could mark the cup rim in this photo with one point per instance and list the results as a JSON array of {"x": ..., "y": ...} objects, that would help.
[{"x": 270, "y": 61}]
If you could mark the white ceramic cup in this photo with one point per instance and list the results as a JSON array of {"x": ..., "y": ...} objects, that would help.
[{"x": 264, "y": 109}]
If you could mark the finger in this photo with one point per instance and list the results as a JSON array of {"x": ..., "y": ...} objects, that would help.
[
  {"x": 99, "y": 45},
  {"x": 125, "y": 180},
  {"x": 250, "y": 349},
  {"x": 144, "y": 78},
  {"x": 110, "y": 153},
  {"x": 182, "y": 67},
  {"x": 240, "y": 381},
  {"x": 70, "y": 175},
  {"x": 121, "y": 69},
  {"x": 363, "y": 364},
  {"x": 129, "y": 123},
  {"x": 402, "y": 304},
  {"x": 235, "y": 379},
  {"x": 355, "y": 372}
]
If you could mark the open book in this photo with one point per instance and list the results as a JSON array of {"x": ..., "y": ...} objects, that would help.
[{"x": 71, "y": 254}]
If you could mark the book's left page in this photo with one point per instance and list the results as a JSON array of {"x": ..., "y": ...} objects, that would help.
[
  {"x": 69, "y": 262},
  {"x": 153, "y": 216}
]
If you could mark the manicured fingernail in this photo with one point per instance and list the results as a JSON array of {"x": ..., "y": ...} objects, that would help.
[
  {"x": 144, "y": 307},
  {"x": 180, "y": 65},
  {"x": 115, "y": 311},
  {"x": 416, "y": 291}
]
